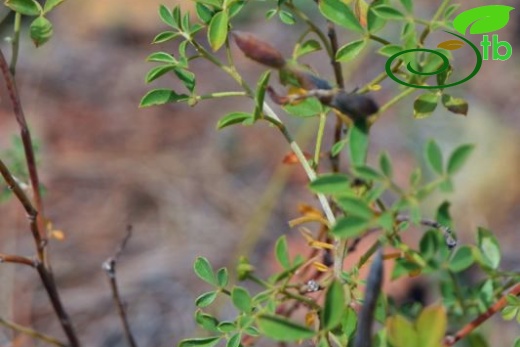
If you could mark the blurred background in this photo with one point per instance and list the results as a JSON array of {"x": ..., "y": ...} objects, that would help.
[{"x": 190, "y": 190}]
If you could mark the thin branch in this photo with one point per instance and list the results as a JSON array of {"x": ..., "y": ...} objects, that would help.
[
  {"x": 32, "y": 213},
  {"x": 16, "y": 259},
  {"x": 32, "y": 333},
  {"x": 15, "y": 43},
  {"x": 50, "y": 287},
  {"x": 109, "y": 266},
  {"x": 468, "y": 328},
  {"x": 25, "y": 135}
]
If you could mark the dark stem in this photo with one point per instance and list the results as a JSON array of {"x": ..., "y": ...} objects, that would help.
[
  {"x": 26, "y": 137},
  {"x": 110, "y": 269},
  {"x": 50, "y": 287}
]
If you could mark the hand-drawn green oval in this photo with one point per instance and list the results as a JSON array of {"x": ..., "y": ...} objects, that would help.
[
  {"x": 482, "y": 19},
  {"x": 478, "y": 65}
]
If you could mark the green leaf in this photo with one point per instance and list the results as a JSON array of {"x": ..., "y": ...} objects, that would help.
[
  {"x": 443, "y": 216},
  {"x": 222, "y": 277},
  {"x": 165, "y": 36},
  {"x": 358, "y": 143},
  {"x": 462, "y": 259},
  {"x": 167, "y": 17},
  {"x": 241, "y": 299},
  {"x": 334, "y": 306},
  {"x": 161, "y": 97},
  {"x": 455, "y": 105},
  {"x": 458, "y": 158},
  {"x": 233, "y": 118},
  {"x": 388, "y": 12},
  {"x": 334, "y": 184},
  {"x": 206, "y": 321},
  {"x": 162, "y": 57},
  {"x": 286, "y": 17},
  {"x": 431, "y": 326},
  {"x": 356, "y": 207},
  {"x": 349, "y": 227},
  {"x": 25, "y": 7},
  {"x": 350, "y": 50},
  {"x": 338, "y": 147},
  {"x": 434, "y": 157},
  {"x": 206, "y": 299},
  {"x": 261, "y": 87},
  {"x": 339, "y": 13},
  {"x": 234, "y": 341},
  {"x": 282, "y": 252},
  {"x": 367, "y": 173},
  {"x": 374, "y": 21},
  {"x": 510, "y": 312},
  {"x": 310, "y": 107},
  {"x": 307, "y": 47},
  {"x": 41, "y": 31},
  {"x": 187, "y": 78},
  {"x": 482, "y": 19},
  {"x": 50, "y": 4},
  {"x": 200, "y": 342},
  {"x": 157, "y": 72},
  {"x": 401, "y": 332},
  {"x": 281, "y": 329},
  {"x": 408, "y": 5},
  {"x": 424, "y": 105},
  {"x": 204, "y": 13},
  {"x": 236, "y": 7},
  {"x": 429, "y": 244},
  {"x": 226, "y": 327},
  {"x": 390, "y": 50},
  {"x": 385, "y": 163},
  {"x": 202, "y": 268},
  {"x": 450, "y": 10},
  {"x": 489, "y": 246},
  {"x": 349, "y": 321},
  {"x": 218, "y": 30}
]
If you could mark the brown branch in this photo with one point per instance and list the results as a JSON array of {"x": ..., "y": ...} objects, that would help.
[
  {"x": 468, "y": 328},
  {"x": 32, "y": 213},
  {"x": 16, "y": 259},
  {"x": 110, "y": 269},
  {"x": 32, "y": 333},
  {"x": 49, "y": 283},
  {"x": 25, "y": 135}
]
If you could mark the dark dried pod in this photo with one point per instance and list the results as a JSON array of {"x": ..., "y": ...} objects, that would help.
[
  {"x": 258, "y": 50},
  {"x": 356, "y": 106}
]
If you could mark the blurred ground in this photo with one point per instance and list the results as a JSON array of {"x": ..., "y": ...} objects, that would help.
[{"x": 189, "y": 190}]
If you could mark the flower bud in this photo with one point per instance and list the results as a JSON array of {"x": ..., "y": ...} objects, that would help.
[{"x": 258, "y": 50}]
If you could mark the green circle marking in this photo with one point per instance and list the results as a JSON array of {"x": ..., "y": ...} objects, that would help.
[{"x": 445, "y": 65}]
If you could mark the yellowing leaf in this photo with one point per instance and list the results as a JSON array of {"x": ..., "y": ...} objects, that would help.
[
  {"x": 58, "y": 235},
  {"x": 401, "y": 332},
  {"x": 320, "y": 266},
  {"x": 451, "y": 45},
  {"x": 431, "y": 326}
]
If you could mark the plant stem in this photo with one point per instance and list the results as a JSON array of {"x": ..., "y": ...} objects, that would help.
[
  {"x": 436, "y": 16},
  {"x": 319, "y": 139},
  {"x": 15, "y": 259},
  {"x": 468, "y": 328},
  {"x": 15, "y": 44},
  {"x": 390, "y": 103},
  {"x": 32, "y": 333},
  {"x": 221, "y": 95},
  {"x": 26, "y": 140}
]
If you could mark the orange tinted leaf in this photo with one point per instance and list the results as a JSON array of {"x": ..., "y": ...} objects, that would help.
[
  {"x": 451, "y": 45},
  {"x": 431, "y": 326},
  {"x": 58, "y": 235},
  {"x": 320, "y": 266}
]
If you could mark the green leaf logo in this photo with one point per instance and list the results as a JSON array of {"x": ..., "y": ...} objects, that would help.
[{"x": 483, "y": 19}]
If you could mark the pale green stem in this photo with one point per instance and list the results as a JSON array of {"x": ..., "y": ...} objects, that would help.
[
  {"x": 15, "y": 42},
  {"x": 319, "y": 139},
  {"x": 221, "y": 95}
]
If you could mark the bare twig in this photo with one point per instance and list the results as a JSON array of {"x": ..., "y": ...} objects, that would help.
[
  {"x": 46, "y": 276},
  {"x": 447, "y": 232},
  {"x": 25, "y": 135},
  {"x": 110, "y": 269},
  {"x": 16, "y": 259},
  {"x": 32, "y": 333},
  {"x": 468, "y": 328}
]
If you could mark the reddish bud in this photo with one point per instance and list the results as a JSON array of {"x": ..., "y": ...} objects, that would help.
[{"x": 258, "y": 50}]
